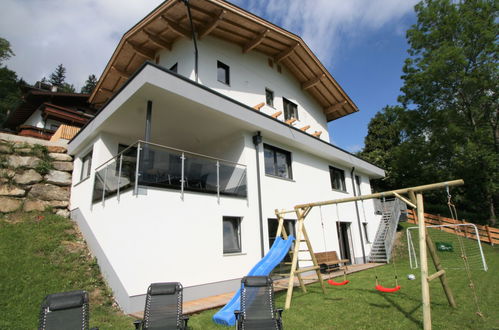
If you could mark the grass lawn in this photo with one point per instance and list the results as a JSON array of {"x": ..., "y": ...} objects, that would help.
[
  {"x": 38, "y": 257},
  {"x": 42, "y": 254}
]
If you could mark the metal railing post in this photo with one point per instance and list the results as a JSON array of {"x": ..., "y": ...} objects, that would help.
[
  {"x": 104, "y": 186},
  {"x": 136, "y": 187},
  {"x": 218, "y": 182},
  {"x": 182, "y": 179},
  {"x": 119, "y": 177}
]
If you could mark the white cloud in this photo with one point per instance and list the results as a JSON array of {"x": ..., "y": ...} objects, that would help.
[
  {"x": 82, "y": 34},
  {"x": 328, "y": 25}
]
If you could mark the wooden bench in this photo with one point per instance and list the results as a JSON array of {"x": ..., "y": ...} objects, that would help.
[{"x": 331, "y": 260}]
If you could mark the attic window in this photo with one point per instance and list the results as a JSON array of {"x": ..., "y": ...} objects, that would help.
[
  {"x": 271, "y": 63},
  {"x": 290, "y": 109},
  {"x": 223, "y": 73},
  {"x": 174, "y": 67},
  {"x": 269, "y": 97}
]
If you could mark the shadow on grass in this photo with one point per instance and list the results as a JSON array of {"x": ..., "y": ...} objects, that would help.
[{"x": 408, "y": 314}]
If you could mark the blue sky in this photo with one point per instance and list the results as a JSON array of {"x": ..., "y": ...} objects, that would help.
[{"x": 361, "y": 42}]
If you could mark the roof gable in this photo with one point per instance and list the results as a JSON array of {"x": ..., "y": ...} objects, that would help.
[{"x": 169, "y": 22}]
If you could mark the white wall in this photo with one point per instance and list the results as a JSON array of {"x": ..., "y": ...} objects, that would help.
[
  {"x": 311, "y": 183},
  {"x": 35, "y": 119},
  {"x": 250, "y": 74}
]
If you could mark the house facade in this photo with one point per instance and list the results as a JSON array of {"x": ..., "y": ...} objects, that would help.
[
  {"x": 196, "y": 144},
  {"x": 44, "y": 110}
]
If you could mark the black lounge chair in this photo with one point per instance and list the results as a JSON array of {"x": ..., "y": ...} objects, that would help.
[
  {"x": 163, "y": 308},
  {"x": 65, "y": 310},
  {"x": 257, "y": 305}
]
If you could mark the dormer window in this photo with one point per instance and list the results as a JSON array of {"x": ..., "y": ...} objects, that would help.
[
  {"x": 223, "y": 73},
  {"x": 290, "y": 109},
  {"x": 269, "y": 97}
]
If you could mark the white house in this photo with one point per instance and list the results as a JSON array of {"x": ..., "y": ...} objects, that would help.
[{"x": 178, "y": 176}]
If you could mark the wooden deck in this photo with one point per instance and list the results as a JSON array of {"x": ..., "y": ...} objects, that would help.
[{"x": 199, "y": 305}]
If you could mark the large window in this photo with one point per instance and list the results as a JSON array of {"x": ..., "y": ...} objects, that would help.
[
  {"x": 277, "y": 162},
  {"x": 232, "y": 234},
  {"x": 86, "y": 165},
  {"x": 269, "y": 97},
  {"x": 223, "y": 73},
  {"x": 290, "y": 109},
  {"x": 337, "y": 178}
]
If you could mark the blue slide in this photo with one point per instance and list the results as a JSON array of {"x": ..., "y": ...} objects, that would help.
[{"x": 277, "y": 252}]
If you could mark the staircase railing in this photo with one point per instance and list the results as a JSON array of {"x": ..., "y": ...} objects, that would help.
[
  {"x": 391, "y": 211},
  {"x": 395, "y": 211}
]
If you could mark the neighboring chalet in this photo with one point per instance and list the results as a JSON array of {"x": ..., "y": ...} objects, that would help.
[
  {"x": 178, "y": 176},
  {"x": 48, "y": 114}
]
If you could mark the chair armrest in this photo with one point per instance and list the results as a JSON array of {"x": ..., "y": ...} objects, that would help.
[{"x": 137, "y": 324}]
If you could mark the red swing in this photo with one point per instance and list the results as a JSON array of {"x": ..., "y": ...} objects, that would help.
[{"x": 331, "y": 282}]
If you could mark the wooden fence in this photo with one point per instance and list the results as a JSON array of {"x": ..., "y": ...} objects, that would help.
[{"x": 486, "y": 234}]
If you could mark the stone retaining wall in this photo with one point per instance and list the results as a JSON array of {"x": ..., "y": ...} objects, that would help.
[{"x": 34, "y": 176}]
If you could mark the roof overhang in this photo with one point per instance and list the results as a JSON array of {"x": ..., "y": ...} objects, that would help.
[
  {"x": 152, "y": 76},
  {"x": 169, "y": 22}
]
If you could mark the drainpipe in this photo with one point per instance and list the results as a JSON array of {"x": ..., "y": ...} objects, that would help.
[
  {"x": 358, "y": 216},
  {"x": 257, "y": 140},
  {"x": 187, "y": 4}
]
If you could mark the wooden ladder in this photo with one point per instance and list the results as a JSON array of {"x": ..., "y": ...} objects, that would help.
[{"x": 301, "y": 237}]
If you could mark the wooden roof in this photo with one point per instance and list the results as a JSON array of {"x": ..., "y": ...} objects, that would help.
[{"x": 169, "y": 22}]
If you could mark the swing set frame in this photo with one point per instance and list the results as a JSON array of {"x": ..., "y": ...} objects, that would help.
[{"x": 414, "y": 199}]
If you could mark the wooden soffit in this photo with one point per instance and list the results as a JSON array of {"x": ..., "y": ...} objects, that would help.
[{"x": 217, "y": 18}]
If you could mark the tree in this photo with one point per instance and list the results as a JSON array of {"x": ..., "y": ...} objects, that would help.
[
  {"x": 89, "y": 84},
  {"x": 58, "y": 77},
  {"x": 449, "y": 123},
  {"x": 383, "y": 136},
  {"x": 10, "y": 94},
  {"x": 5, "y": 50}
]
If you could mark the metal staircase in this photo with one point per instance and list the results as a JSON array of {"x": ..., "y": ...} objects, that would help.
[{"x": 381, "y": 248}]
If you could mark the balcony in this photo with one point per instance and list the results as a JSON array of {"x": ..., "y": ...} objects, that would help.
[{"x": 167, "y": 168}]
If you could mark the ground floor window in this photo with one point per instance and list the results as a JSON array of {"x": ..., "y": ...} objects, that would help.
[
  {"x": 232, "y": 234},
  {"x": 289, "y": 226}
]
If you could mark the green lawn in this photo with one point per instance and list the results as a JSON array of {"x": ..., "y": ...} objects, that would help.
[{"x": 34, "y": 263}]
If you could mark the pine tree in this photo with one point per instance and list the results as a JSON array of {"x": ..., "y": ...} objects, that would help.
[
  {"x": 58, "y": 77},
  {"x": 89, "y": 84}
]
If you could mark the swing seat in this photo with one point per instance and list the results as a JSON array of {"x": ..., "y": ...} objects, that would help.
[
  {"x": 331, "y": 282},
  {"x": 383, "y": 289}
]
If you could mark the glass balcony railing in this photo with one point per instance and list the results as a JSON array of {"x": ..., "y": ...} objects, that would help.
[{"x": 169, "y": 168}]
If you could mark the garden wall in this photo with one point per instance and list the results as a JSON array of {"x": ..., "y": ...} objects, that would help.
[{"x": 35, "y": 175}]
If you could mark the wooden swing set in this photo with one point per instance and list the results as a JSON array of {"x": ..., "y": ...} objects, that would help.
[{"x": 414, "y": 200}]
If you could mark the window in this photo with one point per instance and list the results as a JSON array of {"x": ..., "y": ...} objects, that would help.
[
  {"x": 223, "y": 73},
  {"x": 290, "y": 109},
  {"x": 337, "y": 178},
  {"x": 232, "y": 234},
  {"x": 277, "y": 162},
  {"x": 366, "y": 235},
  {"x": 54, "y": 127},
  {"x": 289, "y": 226},
  {"x": 269, "y": 97},
  {"x": 174, "y": 67},
  {"x": 86, "y": 165}
]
